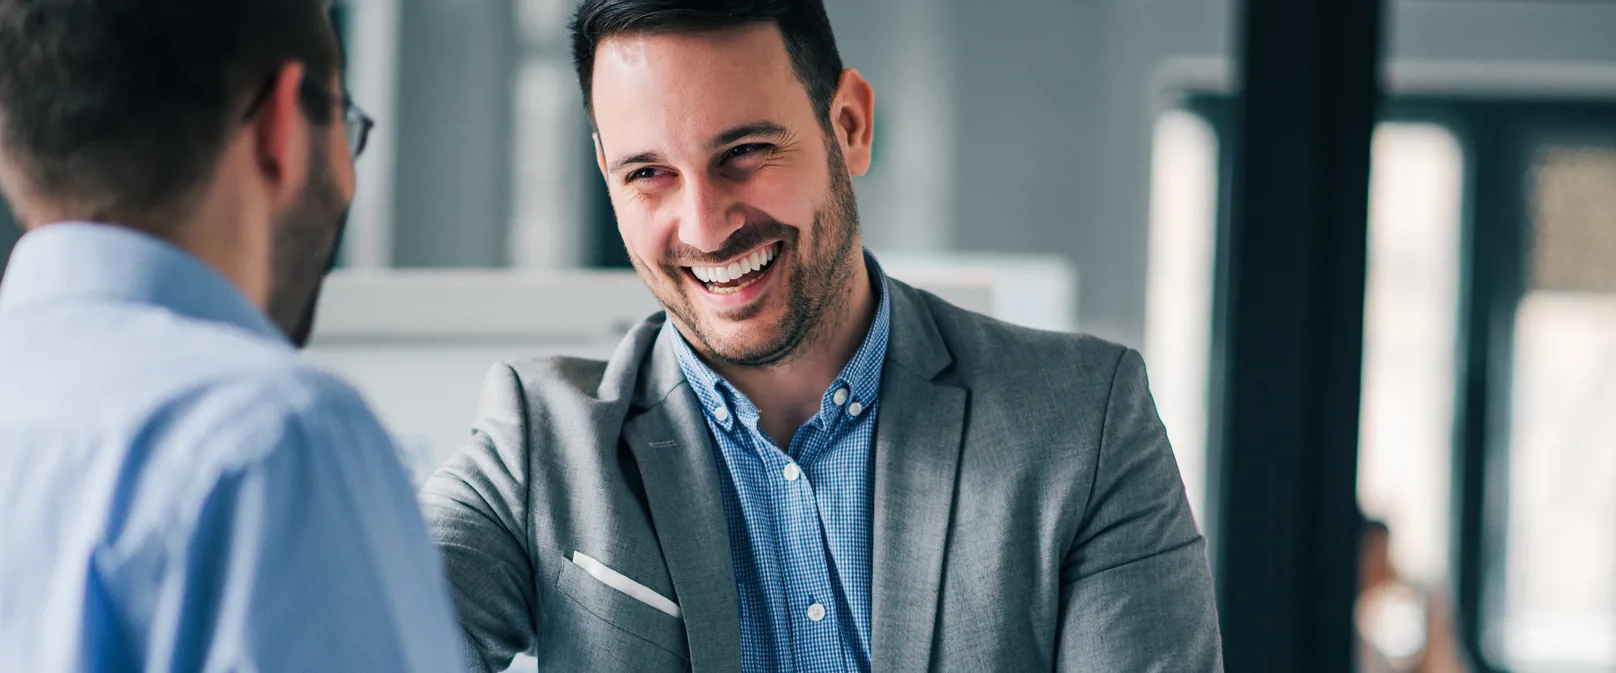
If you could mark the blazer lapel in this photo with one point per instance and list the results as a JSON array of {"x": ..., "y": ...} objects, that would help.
[
  {"x": 917, "y": 454},
  {"x": 671, "y": 442}
]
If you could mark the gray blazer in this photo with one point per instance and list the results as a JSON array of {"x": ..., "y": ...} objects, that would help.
[{"x": 1028, "y": 512}]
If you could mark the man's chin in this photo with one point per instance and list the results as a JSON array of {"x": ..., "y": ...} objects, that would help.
[{"x": 752, "y": 343}]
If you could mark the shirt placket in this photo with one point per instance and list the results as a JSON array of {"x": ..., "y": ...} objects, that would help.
[
  {"x": 802, "y": 601},
  {"x": 764, "y": 513},
  {"x": 814, "y": 616}
]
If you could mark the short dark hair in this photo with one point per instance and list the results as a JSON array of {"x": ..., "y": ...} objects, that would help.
[
  {"x": 122, "y": 107},
  {"x": 803, "y": 23}
]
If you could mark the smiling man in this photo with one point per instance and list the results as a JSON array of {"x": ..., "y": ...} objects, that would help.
[{"x": 803, "y": 464}]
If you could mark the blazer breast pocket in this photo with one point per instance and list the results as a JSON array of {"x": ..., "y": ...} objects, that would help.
[{"x": 599, "y": 628}]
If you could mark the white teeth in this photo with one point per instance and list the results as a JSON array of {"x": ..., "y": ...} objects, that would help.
[{"x": 723, "y": 274}]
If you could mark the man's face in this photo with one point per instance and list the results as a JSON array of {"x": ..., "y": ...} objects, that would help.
[
  {"x": 307, "y": 234},
  {"x": 734, "y": 203}
]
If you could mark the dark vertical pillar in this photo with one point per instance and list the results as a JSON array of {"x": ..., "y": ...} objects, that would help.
[
  {"x": 1492, "y": 282},
  {"x": 1290, "y": 335}
]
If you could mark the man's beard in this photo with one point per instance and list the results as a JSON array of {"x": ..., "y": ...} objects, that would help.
[
  {"x": 820, "y": 283},
  {"x": 305, "y": 250}
]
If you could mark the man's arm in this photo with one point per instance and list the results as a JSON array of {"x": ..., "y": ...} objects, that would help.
[
  {"x": 291, "y": 542},
  {"x": 476, "y": 508},
  {"x": 1137, "y": 592}
]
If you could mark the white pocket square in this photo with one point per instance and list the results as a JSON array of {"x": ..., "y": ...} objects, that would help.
[{"x": 617, "y": 581}]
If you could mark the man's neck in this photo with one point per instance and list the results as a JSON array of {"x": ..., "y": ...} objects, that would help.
[
  {"x": 240, "y": 252},
  {"x": 789, "y": 394}
]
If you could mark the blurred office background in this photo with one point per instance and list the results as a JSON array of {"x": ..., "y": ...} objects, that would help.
[{"x": 1066, "y": 164}]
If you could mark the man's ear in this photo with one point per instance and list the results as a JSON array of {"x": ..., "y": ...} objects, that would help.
[
  {"x": 280, "y": 134},
  {"x": 852, "y": 118}
]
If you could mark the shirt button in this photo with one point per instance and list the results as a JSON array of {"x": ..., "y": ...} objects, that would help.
[
  {"x": 855, "y": 409},
  {"x": 816, "y": 612},
  {"x": 792, "y": 472},
  {"x": 721, "y": 414},
  {"x": 840, "y": 398}
]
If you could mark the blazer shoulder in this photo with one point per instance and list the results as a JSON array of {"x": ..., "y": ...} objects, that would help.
[
  {"x": 986, "y": 349},
  {"x": 534, "y": 395},
  {"x": 556, "y": 375}
]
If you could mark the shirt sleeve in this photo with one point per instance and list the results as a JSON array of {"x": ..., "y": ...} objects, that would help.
[{"x": 301, "y": 550}]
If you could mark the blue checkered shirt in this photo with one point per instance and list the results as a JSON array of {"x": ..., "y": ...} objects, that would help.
[{"x": 799, "y": 520}]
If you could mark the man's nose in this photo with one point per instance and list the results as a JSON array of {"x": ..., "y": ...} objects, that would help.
[{"x": 709, "y": 216}]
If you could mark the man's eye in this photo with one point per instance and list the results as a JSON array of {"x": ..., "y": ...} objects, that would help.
[
  {"x": 746, "y": 150},
  {"x": 642, "y": 174}
]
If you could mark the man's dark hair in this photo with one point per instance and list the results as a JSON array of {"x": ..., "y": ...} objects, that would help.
[
  {"x": 121, "y": 108},
  {"x": 803, "y": 23}
]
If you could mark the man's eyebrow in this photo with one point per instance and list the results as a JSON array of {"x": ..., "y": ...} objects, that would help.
[
  {"x": 760, "y": 130},
  {"x": 641, "y": 158},
  {"x": 763, "y": 130}
]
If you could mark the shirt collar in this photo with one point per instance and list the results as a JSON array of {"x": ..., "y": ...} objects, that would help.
[
  {"x": 861, "y": 376},
  {"x": 87, "y": 262}
]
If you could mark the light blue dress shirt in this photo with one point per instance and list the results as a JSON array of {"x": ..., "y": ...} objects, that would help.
[
  {"x": 179, "y": 492},
  {"x": 799, "y": 519}
]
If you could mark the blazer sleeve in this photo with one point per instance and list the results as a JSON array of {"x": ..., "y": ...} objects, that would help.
[
  {"x": 1136, "y": 588},
  {"x": 476, "y": 510}
]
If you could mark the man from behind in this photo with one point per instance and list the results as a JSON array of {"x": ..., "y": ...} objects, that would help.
[{"x": 178, "y": 492}]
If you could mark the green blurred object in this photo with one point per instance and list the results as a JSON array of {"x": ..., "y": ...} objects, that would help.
[{"x": 10, "y": 231}]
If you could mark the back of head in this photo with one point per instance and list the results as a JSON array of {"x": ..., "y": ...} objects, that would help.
[
  {"x": 118, "y": 110},
  {"x": 803, "y": 23}
]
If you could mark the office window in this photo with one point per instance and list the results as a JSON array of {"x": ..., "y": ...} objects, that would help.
[
  {"x": 1410, "y": 331},
  {"x": 1411, "y": 323},
  {"x": 1410, "y": 336},
  {"x": 1410, "y": 326},
  {"x": 1178, "y": 322},
  {"x": 1559, "y": 601}
]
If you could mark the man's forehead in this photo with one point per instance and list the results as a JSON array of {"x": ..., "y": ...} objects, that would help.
[
  {"x": 689, "y": 87},
  {"x": 755, "y": 44}
]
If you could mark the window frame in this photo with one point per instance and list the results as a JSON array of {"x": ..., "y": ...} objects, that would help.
[{"x": 1499, "y": 136}]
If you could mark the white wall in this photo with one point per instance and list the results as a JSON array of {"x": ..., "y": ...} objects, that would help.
[{"x": 1046, "y": 134}]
